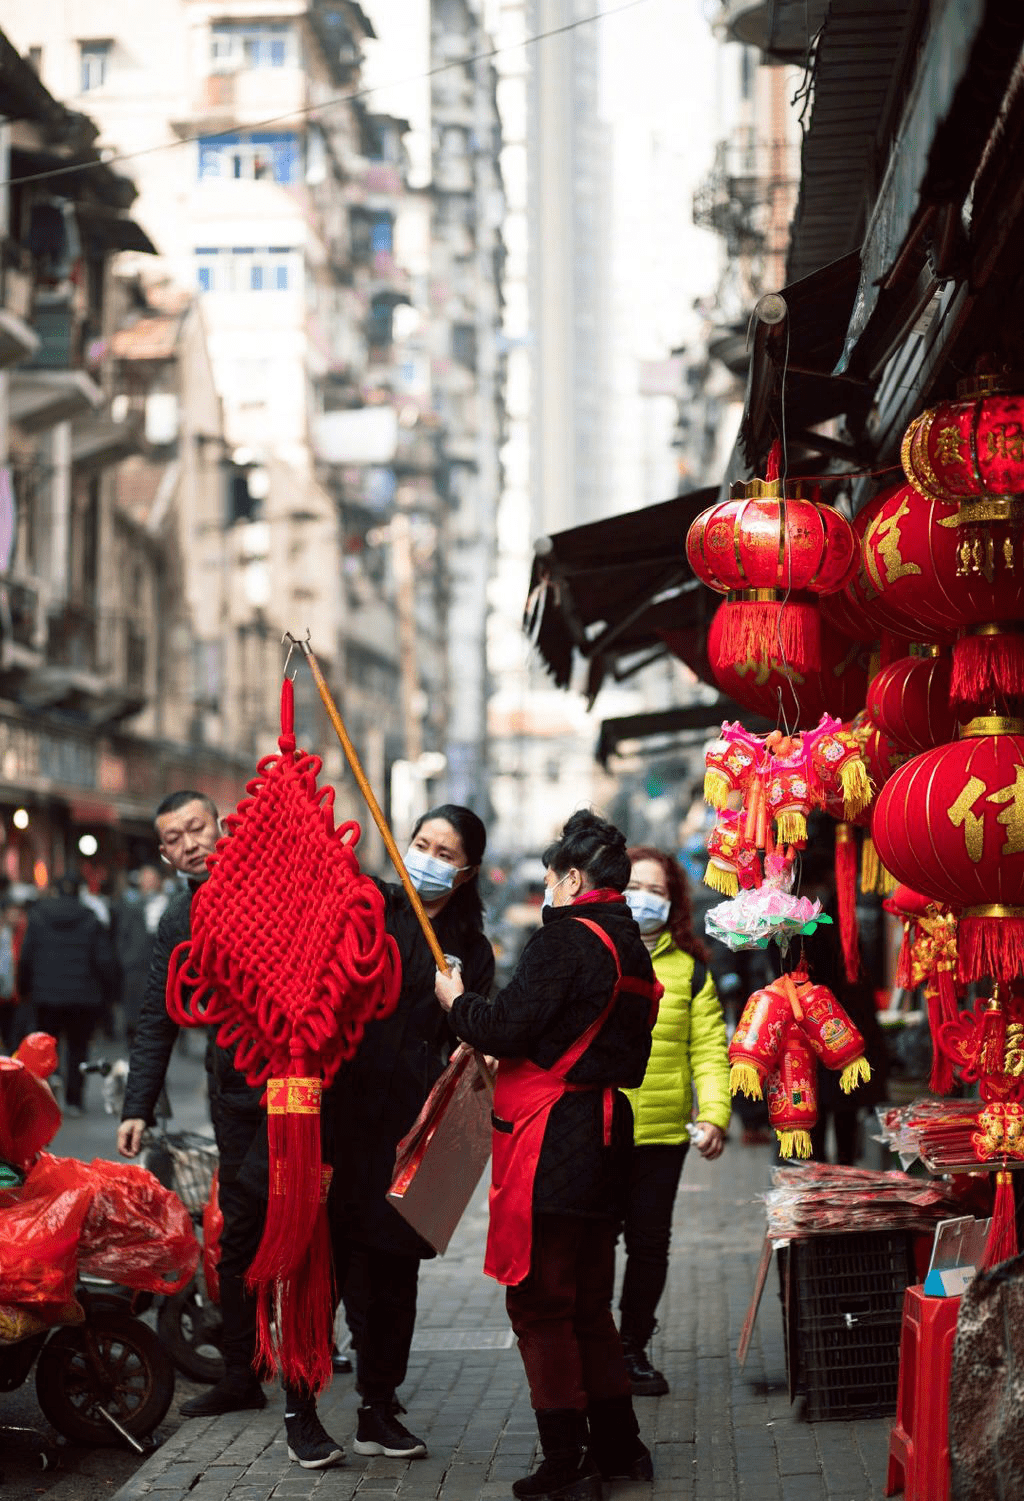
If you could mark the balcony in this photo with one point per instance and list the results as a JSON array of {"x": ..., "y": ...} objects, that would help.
[
  {"x": 17, "y": 340},
  {"x": 781, "y": 29},
  {"x": 41, "y": 399},
  {"x": 748, "y": 187},
  {"x": 243, "y": 96},
  {"x": 95, "y": 665}
]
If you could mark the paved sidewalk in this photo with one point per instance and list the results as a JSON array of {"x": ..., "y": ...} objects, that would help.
[{"x": 721, "y": 1435}]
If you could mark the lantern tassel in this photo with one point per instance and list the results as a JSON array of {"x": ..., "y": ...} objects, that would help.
[
  {"x": 794, "y": 1143},
  {"x": 904, "y": 974},
  {"x": 1002, "y": 1237},
  {"x": 992, "y": 946},
  {"x": 764, "y": 630},
  {"x": 791, "y": 827},
  {"x": 986, "y": 667},
  {"x": 992, "y": 1053},
  {"x": 870, "y": 867},
  {"x": 745, "y": 1079},
  {"x": 846, "y": 899},
  {"x": 725, "y": 881},
  {"x": 857, "y": 1072},
  {"x": 716, "y": 788},
  {"x": 856, "y": 785},
  {"x": 940, "y": 1081}
]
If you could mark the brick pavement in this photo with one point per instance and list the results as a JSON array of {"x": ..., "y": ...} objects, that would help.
[{"x": 721, "y": 1434}]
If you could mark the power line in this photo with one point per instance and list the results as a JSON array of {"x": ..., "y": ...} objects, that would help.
[{"x": 327, "y": 104}]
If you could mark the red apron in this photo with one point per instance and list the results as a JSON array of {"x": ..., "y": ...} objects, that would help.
[{"x": 524, "y": 1095}]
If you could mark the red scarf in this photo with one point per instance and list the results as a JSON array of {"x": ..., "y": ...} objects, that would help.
[{"x": 599, "y": 894}]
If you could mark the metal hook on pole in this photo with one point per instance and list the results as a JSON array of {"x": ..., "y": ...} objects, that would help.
[{"x": 293, "y": 642}]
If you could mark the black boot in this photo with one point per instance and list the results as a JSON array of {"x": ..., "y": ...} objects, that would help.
[
  {"x": 239, "y": 1388},
  {"x": 644, "y": 1380},
  {"x": 615, "y": 1443},
  {"x": 568, "y": 1472}
]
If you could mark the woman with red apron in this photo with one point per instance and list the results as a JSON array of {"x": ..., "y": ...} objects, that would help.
[{"x": 571, "y": 1027}]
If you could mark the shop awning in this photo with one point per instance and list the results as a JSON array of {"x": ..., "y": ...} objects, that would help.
[
  {"x": 660, "y": 724},
  {"x": 612, "y": 591},
  {"x": 108, "y": 230}
]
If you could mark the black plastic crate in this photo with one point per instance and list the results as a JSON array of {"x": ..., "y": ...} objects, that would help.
[{"x": 851, "y": 1369}]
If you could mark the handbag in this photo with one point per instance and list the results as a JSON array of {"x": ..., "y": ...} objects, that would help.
[{"x": 439, "y": 1161}]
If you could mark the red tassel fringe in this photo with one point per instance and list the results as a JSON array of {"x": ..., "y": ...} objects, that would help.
[
  {"x": 771, "y": 630},
  {"x": 941, "y": 1080},
  {"x": 992, "y": 946},
  {"x": 846, "y": 900},
  {"x": 295, "y": 1318},
  {"x": 904, "y": 974},
  {"x": 987, "y": 668},
  {"x": 992, "y": 1053},
  {"x": 1002, "y": 1237}
]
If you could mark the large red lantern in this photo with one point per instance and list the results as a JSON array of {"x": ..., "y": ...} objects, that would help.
[
  {"x": 970, "y": 449},
  {"x": 950, "y": 824},
  {"x": 909, "y": 702},
  {"x": 772, "y": 554},
  {"x": 864, "y": 598},
  {"x": 765, "y": 685},
  {"x": 935, "y": 582}
]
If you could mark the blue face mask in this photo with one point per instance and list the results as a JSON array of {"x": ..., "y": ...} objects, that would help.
[
  {"x": 650, "y": 912},
  {"x": 431, "y": 877}
]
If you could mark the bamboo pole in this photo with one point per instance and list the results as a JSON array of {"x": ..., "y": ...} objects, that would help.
[{"x": 376, "y": 811}]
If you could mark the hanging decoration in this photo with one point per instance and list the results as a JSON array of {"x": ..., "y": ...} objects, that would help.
[
  {"x": 927, "y": 958},
  {"x": 971, "y": 450},
  {"x": 772, "y": 553},
  {"x": 785, "y": 1029},
  {"x": 766, "y": 685},
  {"x": 950, "y": 824},
  {"x": 910, "y": 702}
]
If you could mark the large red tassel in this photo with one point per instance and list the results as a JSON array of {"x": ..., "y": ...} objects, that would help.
[
  {"x": 990, "y": 945},
  {"x": 904, "y": 972},
  {"x": 1002, "y": 1237},
  {"x": 992, "y": 1052},
  {"x": 846, "y": 899},
  {"x": 763, "y": 630},
  {"x": 987, "y": 666},
  {"x": 941, "y": 1079}
]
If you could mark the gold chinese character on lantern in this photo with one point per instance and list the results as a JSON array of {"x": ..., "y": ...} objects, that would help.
[
  {"x": 1004, "y": 440},
  {"x": 883, "y": 537},
  {"x": 948, "y": 448},
  {"x": 1012, "y": 816},
  {"x": 961, "y": 812}
]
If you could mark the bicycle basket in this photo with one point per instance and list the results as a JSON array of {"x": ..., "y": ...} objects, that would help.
[{"x": 195, "y": 1161}]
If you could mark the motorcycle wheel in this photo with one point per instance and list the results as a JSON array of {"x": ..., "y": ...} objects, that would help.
[
  {"x": 133, "y": 1379},
  {"x": 190, "y": 1331}
]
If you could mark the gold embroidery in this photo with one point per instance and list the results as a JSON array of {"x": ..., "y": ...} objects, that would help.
[{"x": 960, "y": 812}]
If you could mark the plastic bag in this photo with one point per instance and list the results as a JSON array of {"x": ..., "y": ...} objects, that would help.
[{"x": 29, "y": 1115}]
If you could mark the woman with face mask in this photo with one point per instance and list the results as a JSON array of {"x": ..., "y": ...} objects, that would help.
[
  {"x": 573, "y": 1023},
  {"x": 688, "y": 1058},
  {"x": 376, "y": 1098}
]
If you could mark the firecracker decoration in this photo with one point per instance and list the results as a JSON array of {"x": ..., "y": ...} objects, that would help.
[
  {"x": 933, "y": 581},
  {"x": 791, "y": 1091},
  {"x": 288, "y": 961},
  {"x": 731, "y": 764},
  {"x": 927, "y": 957},
  {"x": 909, "y": 701},
  {"x": 881, "y": 758},
  {"x": 733, "y": 860},
  {"x": 950, "y": 824},
  {"x": 765, "y": 684},
  {"x": 785, "y": 1027},
  {"x": 772, "y": 554}
]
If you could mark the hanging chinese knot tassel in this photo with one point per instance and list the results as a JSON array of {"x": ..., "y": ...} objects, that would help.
[
  {"x": 992, "y": 1052},
  {"x": 1002, "y": 1237},
  {"x": 990, "y": 941},
  {"x": 941, "y": 1080},
  {"x": 988, "y": 664},
  {"x": 846, "y": 899}
]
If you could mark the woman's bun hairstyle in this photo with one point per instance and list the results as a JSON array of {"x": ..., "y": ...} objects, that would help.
[{"x": 591, "y": 844}]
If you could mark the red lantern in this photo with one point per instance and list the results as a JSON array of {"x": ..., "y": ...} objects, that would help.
[
  {"x": 909, "y": 702},
  {"x": 760, "y": 685},
  {"x": 950, "y": 824},
  {"x": 971, "y": 448},
  {"x": 773, "y": 554},
  {"x": 934, "y": 581}
]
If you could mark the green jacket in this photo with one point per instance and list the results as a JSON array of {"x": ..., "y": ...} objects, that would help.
[{"x": 688, "y": 1051}]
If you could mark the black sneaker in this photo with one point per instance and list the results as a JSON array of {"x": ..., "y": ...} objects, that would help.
[
  {"x": 644, "y": 1380},
  {"x": 308, "y": 1442},
  {"x": 380, "y": 1432}
]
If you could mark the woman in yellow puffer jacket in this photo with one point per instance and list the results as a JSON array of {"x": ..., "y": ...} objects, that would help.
[{"x": 688, "y": 1057}]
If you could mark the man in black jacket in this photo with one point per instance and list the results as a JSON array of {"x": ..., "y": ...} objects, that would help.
[
  {"x": 188, "y": 828},
  {"x": 68, "y": 971}
]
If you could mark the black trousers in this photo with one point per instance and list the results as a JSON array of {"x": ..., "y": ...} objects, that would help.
[
  {"x": 650, "y": 1196},
  {"x": 76, "y": 1025},
  {"x": 379, "y": 1291}
]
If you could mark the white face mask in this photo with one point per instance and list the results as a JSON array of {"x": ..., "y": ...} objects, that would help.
[
  {"x": 549, "y": 894},
  {"x": 650, "y": 912}
]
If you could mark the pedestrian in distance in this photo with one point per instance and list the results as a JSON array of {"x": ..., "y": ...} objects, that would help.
[
  {"x": 689, "y": 1057},
  {"x": 375, "y": 1099},
  {"x": 572, "y": 1025},
  {"x": 68, "y": 972},
  {"x": 188, "y": 828}
]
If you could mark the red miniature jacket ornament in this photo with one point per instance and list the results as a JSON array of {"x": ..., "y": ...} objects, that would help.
[{"x": 288, "y": 961}]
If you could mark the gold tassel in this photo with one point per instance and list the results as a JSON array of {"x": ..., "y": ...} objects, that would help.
[
  {"x": 725, "y": 881},
  {"x": 857, "y": 789},
  {"x": 857, "y": 1072},
  {"x": 887, "y": 882},
  {"x": 791, "y": 827},
  {"x": 870, "y": 867},
  {"x": 745, "y": 1079},
  {"x": 794, "y": 1143},
  {"x": 716, "y": 788}
]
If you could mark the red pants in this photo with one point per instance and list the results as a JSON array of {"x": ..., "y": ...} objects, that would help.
[{"x": 562, "y": 1314}]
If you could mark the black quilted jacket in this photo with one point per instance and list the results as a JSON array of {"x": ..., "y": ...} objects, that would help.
[{"x": 562, "y": 982}]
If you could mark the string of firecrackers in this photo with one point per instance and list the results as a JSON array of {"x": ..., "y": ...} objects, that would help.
[
  {"x": 764, "y": 789},
  {"x": 786, "y": 1028}
]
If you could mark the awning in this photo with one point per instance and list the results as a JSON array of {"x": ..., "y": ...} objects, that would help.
[
  {"x": 41, "y": 399},
  {"x": 614, "y": 589},
  {"x": 108, "y": 230},
  {"x": 694, "y": 720},
  {"x": 99, "y": 442}
]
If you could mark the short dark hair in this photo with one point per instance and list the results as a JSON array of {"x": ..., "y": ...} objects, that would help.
[
  {"x": 593, "y": 845},
  {"x": 175, "y": 801}
]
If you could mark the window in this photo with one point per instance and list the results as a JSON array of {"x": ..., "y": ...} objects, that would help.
[
  {"x": 235, "y": 45},
  {"x": 372, "y": 232},
  {"x": 94, "y": 61},
  {"x": 247, "y": 268},
  {"x": 266, "y": 156}
]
